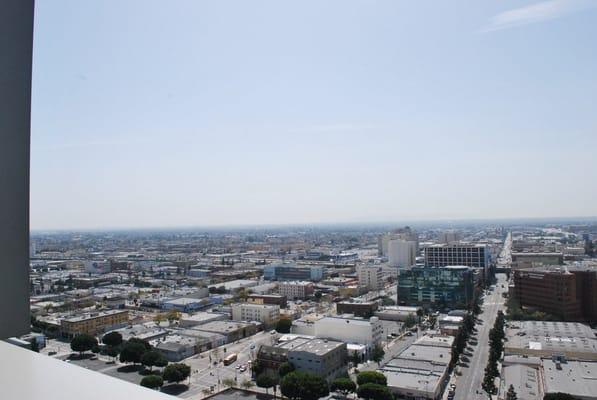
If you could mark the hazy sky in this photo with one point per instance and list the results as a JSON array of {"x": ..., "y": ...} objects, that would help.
[{"x": 165, "y": 113}]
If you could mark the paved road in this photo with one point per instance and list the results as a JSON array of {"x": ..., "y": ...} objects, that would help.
[
  {"x": 468, "y": 386},
  {"x": 205, "y": 374}
]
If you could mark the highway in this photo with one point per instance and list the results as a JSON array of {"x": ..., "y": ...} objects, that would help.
[{"x": 468, "y": 385}]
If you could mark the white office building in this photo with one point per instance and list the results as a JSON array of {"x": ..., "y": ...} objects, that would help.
[
  {"x": 267, "y": 314},
  {"x": 350, "y": 330},
  {"x": 402, "y": 253}
]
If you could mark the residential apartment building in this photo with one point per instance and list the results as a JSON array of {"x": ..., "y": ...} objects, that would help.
[
  {"x": 293, "y": 272},
  {"x": 267, "y": 314},
  {"x": 405, "y": 233},
  {"x": 436, "y": 287},
  {"x": 370, "y": 276},
  {"x": 94, "y": 323}
]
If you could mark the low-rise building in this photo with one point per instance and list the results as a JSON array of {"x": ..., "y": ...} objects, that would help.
[
  {"x": 323, "y": 357},
  {"x": 572, "y": 340},
  {"x": 274, "y": 299},
  {"x": 370, "y": 276},
  {"x": 201, "y": 318},
  {"x": 296, "y": 289},
  {"x": 350, "y": 330},
  {"x": 420, "y": 371},
  {"x": 358, "y": 309},
  {"x": 94, "y": 323},
  {"x": 267, "y": 314},
  {"x": 231, "y": 330}
]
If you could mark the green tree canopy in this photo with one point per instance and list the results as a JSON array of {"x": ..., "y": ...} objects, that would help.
[
  {"x": 176, "y": 372},
  {"x": 83, "y": 342},
  {"x": 373, "y": 391},
  {"x": 283, "y": 325},
  {"x": 300, "y": 385},
  {"x": 132, "y": 352},
  {"x": 153, "y": 358},
  {"x": 511, "y": 394},
  {"x": 112, "y": 339},
  {"x": 372, "y": 377},
  {"x": 152, "y": 381},
  {"x": 377, "y": 354},
  {"x": 266, "y": 381},
  {"x": 285, "y": 369},
  {"x": 343, "y": 385},
  {"x": 142, "y": 342}
]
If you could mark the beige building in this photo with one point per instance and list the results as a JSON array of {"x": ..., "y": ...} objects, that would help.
[
  {"x": 370, "y": 276},
  {"x": 94, "y": 323},
  {"x": 296, "y": 290},
  {"x": 267, "y": 314}
]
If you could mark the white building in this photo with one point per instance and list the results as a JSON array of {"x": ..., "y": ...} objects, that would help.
[
  {"x": 448, "y": 237},
  {"x": 370, "y": 276},
  {"x": 267, "y": 314},
  {"x": 402, "y": 253},
  {"x": 296, "y": 290},
  {"x": 97, "y": 266},
  {"x": 350, "y": 330}
]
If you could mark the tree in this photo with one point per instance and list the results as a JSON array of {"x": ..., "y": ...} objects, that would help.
[
  {"x": 283, "y": 325},
  {"x": 300, "y": 385},
  {"x": 410, "y": 321},
  {"x": 247, "y": 384},
  {"x": 285, "y": 369},
  {"x": 83, "y": 343},
  {"x": 153, "y": 358},
  {"x": 420, "y": 313},
  {"x": 266, "y": 381},
  {"x": 132, "y": 352},
  {"x": 112, "y": 339},
  {"x": 142, "y": 342},
  {"x": 377, "y": 354},
  {"x": 511, "y": 395},
  {"x": 159, "y": 318},
  {"x": 152, "y": 381},
  {"x": 355, "y": 358},
  {"x": 372, "y": 377},
  {"x": 373, "y": 391},
  {"x": 112, "y": 351},
  {"x": 172, "y": 316},
  {"x": 343, "y": 385},
  {"x": 229, "y": 382},
  {"x": 176, "y": 372}
]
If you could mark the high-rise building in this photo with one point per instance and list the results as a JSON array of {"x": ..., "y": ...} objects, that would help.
[
  {"x": 470, "y": 255},
  {"x": 402, "y": 253},
  {"x": 405, "y": 233},
  {"x": 448, "y": 237},
  {"x": 370, "y": 276}
]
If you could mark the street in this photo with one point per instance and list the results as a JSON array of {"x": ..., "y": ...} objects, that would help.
[{"x": 468, "y": 385}]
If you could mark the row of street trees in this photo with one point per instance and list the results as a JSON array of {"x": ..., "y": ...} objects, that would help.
[
  {"x": 496, "y": 347},
  {"x": 134, "y": 351}
]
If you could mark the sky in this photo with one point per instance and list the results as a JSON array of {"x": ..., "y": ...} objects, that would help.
[{"x": 148, "y": 113}]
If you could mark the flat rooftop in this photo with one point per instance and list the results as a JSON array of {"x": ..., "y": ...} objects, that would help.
[{"x": 577, "y": 378}]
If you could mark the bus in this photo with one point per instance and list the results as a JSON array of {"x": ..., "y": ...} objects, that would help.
[{"x": 230, "y": 359}]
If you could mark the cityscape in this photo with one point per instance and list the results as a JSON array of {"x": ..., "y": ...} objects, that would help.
[
  {"x": 298, "y": 200},
  {"x": 461, "y": 310}
]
